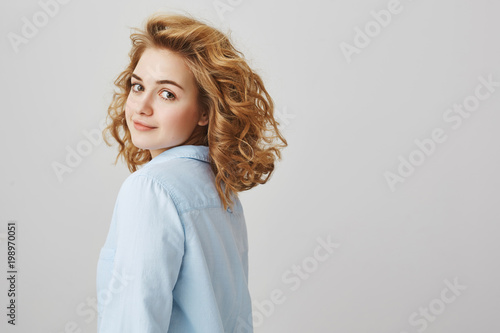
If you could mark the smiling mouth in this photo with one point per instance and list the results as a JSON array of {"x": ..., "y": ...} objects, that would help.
[{"x": 142, "y": 127}]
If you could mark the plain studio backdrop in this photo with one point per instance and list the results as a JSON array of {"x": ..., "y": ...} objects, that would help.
[{"x": 383, "y": 214}]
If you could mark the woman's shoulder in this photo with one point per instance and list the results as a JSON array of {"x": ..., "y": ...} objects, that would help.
[{"x": 189, "y": 182}]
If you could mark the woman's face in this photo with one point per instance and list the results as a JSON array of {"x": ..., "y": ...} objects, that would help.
[{"x": 162, "y": 106}]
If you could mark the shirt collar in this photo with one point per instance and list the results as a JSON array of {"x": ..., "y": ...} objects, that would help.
[{"x": 185, "y": 151}]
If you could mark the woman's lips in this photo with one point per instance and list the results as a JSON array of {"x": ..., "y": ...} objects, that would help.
[{"x": 142, "y": 127}]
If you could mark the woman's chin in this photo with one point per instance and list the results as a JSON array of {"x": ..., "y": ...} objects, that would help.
[{"x": 141, "y": 144}]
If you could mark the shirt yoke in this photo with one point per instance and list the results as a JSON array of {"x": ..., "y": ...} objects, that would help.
[{"x": 189, "y": 182}]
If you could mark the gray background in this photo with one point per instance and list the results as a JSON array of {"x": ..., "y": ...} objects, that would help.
[{"x": 347, "y": 124}]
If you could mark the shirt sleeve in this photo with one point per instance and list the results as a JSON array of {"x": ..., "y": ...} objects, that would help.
[{"x": 148, "y": 257}]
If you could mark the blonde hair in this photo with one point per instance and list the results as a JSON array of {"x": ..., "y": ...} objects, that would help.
[{"x": 242, "y": 131}]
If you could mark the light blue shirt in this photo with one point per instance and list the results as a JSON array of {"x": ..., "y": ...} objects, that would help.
[{"x": 174, "y": 260}]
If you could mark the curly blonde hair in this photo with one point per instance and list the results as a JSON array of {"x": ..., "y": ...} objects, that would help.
[{"x": 242, "y": 134}]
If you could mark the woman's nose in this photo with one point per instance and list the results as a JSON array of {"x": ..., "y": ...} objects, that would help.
[{"x": 143, "y": 105}]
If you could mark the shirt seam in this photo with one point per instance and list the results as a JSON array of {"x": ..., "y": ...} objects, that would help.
[
  {"x": 170, "y": 193},
  {"x": 175, "y": 198}
]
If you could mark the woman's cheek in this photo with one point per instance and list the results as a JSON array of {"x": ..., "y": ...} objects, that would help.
[{"x": 127, "y": 109}]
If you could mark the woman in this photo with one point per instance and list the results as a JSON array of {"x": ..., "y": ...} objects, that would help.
[{"x": 199, "y": 122}]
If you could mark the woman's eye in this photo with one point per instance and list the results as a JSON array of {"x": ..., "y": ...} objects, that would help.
[
  {"x": 134, "y": 85},
  {"x": 165, "y": 94}
]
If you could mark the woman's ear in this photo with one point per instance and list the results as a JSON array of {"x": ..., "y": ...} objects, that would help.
[{"x": 203, "y": 119}]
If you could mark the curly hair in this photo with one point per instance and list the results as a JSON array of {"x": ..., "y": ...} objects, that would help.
[{"x": 242, "y": 134}]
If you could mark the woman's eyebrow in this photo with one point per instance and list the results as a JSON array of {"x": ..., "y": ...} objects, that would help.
[{"x": 160, "y": 81}]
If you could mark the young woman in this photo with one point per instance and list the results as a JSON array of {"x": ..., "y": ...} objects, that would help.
[{"x": 199, "y": 123}]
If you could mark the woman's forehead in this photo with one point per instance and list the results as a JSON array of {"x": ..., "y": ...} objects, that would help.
[{"x": 162, "y": 64}]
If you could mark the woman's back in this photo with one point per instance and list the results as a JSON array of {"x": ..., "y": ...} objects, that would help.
[{"x": 180, "y": 260}]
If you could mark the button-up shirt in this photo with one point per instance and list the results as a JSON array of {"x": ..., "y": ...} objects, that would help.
[{"x": 174, "y": 260}]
